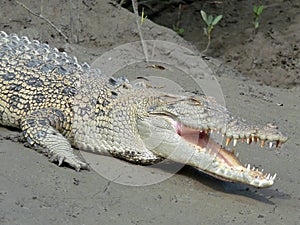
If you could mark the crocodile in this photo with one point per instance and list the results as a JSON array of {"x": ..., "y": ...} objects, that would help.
[{"x": 60, "y": 105}]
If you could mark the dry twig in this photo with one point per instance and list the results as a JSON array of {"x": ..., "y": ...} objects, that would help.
[
  {"x": 137, "y": 18},
  {"x": 43, "y": 18}
]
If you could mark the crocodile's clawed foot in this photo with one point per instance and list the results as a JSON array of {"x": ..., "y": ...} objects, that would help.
[{"x": 71, "y": 160}]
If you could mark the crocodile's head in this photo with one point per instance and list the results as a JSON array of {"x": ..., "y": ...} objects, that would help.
[{"x": 190, "y": 130}]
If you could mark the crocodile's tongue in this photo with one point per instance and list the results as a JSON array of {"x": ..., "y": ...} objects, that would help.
[{"x": 203, "y": 140}]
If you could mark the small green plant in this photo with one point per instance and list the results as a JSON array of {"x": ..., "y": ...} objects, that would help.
[
  {"x": 143, "y": 17},
  {"x": 210, "y": 22},
  {"x": 178, "y": 30},
  {"x": 257, "y": 12},
  {"x": 176, "y": 27}
]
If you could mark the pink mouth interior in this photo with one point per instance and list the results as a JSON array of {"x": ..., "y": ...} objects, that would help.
[{"x": 203, "y": 140}]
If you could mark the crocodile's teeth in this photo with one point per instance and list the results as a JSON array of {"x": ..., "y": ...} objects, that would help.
[
  {"x": 271, "y": 144},
  {"x": 249, "y": 140},
  {"x": 277, "y": 144},
  {"x": 228, "y": 141},
  {"x": 234, "y": 142},
  {"x": 262, "y": 143},
  {"x": 60, "y": 161},
  {"x": 248, "y": 168}
]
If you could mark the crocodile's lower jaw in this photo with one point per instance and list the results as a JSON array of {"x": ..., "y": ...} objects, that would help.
[{"x": 225, "y": 164}]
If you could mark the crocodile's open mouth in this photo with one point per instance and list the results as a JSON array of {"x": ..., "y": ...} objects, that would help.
[
  {"x": 225, "y": 164},
  {"x": 190, "y": 130}
]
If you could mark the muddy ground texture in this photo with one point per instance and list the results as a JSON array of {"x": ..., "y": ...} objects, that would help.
[{"x": 259, "y": 77}]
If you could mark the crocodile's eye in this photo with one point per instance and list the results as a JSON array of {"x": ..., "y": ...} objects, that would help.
[{"x": 196, "y": 101}]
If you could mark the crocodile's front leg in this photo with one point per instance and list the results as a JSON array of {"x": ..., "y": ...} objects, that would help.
[{"x": 41, "y": 128}]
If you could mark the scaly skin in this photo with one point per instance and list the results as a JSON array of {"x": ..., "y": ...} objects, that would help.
[{"x": 60, "y": 104}]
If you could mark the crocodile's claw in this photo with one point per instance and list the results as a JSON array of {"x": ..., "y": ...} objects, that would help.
[{"x": 71, "y": 160}]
